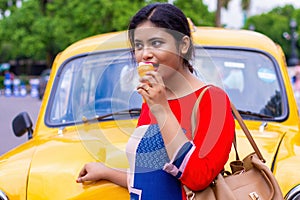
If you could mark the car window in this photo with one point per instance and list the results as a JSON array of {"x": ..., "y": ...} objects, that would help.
[
  {"x": 94, "y": 85},
  {"x": 248, "y": 77}
]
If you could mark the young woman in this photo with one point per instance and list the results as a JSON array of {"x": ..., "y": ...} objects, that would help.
[{"x": 162, "y": 153}]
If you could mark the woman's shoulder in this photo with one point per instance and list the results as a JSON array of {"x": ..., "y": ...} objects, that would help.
[
  {"x": 213, "y": 94},
  {"x": 212, "y": 89}
]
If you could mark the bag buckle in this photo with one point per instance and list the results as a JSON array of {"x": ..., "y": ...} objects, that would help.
[{"x": 254, "y": 196}]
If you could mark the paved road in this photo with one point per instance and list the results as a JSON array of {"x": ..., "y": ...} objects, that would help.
[{"x": 9, "y": 108}]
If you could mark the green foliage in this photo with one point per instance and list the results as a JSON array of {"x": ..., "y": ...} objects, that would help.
[
  {"x": 275, "y": 23},
  {"x": 1, "y": 82},
  {"x": 3, "y": 5},
  {"x": 18, "y": 38},
  {"x": 197, "y": 11},
  {"x": 41, "y": 29}
]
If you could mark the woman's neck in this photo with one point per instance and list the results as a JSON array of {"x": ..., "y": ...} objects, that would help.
[{"x": 182, "y": 84}]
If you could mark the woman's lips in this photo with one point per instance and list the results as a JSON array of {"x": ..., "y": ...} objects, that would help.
[{"x": 152, "y": 63}]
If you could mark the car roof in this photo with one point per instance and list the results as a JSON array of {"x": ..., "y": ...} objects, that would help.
[{"x": 211, "y": 36}]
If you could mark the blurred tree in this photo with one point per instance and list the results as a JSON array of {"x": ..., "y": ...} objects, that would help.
[
  {"x": 275, "y": 23},
  {"x": 245, "y": 4},
  {"x": 220, "y": 4},
  {"x": 18, "y": 35},
  {"x": 197, "y": 11},
  {"x": 73, "y": 20},
  {"x": 41, "y": 28}
]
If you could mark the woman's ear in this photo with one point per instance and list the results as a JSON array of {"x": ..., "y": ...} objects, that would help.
[{"x": 185, "y": 44}]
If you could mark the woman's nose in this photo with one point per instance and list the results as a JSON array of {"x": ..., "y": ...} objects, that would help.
[{"x": 147, "y": 53}]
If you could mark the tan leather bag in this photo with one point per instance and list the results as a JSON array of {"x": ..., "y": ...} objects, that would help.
[{"x": 250, "y": 178}]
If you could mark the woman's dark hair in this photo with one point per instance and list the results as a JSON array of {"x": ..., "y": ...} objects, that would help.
[{"x": 168, "y": 16}]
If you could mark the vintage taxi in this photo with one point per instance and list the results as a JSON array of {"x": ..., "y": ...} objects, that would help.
[{"x": 90, "y": 108}]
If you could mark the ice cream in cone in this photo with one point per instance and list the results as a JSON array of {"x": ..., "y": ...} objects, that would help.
[{"x": 144, "y": 67}]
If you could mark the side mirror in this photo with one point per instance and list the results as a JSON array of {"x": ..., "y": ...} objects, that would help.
[{"x": 22, "y": 124}]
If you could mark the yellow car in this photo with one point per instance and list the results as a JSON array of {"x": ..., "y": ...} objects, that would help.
[{"x": 90, "y": 108}]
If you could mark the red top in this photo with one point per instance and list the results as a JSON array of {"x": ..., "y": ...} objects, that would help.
[{"x": 213, "y": 136}]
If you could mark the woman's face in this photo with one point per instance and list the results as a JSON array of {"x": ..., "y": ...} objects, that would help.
[{"x": 153, "y": 44}]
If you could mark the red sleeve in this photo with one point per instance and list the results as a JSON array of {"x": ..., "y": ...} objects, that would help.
[
  {"x": 146, "y": 117},
  {"x": 213, "y": 139}
]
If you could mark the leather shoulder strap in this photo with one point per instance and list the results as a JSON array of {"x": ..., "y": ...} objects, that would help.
[
  {"x": 238, "y": 118},
  {"x": 247, "y": 132},
  {"x": 195, "y": 110}
]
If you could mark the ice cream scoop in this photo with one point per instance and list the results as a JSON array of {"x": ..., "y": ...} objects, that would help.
[{"x": 144, "y": 67}]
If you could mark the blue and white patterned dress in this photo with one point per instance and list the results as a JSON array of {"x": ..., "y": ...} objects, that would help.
[{"x": 147, "y": 154}]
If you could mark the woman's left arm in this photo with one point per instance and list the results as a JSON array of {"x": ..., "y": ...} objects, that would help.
[{"x": 197, "y": 163}]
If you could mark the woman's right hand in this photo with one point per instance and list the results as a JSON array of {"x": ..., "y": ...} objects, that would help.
[
  {"x": 96, "y": 171},
  {"x": 153, "y": 90},
  {"x": 93, "y": 171}
]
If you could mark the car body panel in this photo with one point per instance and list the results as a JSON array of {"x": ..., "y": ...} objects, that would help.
[
  {"x": 71, "y": 146},
  {"x": 49, "y": 163},
  {"x": 14, "y": 168}
]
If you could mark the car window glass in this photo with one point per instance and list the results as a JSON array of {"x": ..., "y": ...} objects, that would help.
[
  {"x": 240, "y": 73},
  {"x": 95, "y": 85}
]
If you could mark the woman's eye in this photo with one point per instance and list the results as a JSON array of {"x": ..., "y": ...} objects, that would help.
[
  {"x": 138, "y": 46},
  {"x": 156, "y": 43}
]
